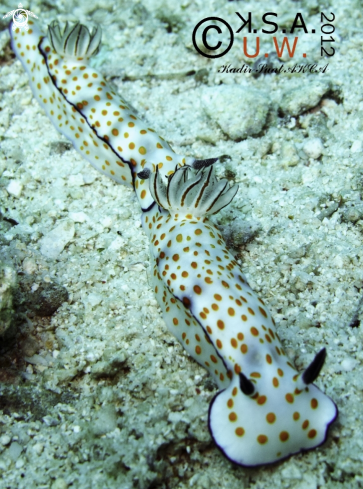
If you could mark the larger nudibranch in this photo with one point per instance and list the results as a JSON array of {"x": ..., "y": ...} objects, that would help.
[{"x": 266, "y": 410}]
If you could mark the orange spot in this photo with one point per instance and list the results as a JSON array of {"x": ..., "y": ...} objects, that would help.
[
  {"x": 314, "y": 403},
  {"x": 261, "y": 400},
  {"x": 234, "y": 343},
  {"x": 240, "y": 336},
  {"x": 284, "y": 436},
  {"x": 237, "y": 369},
  {"x": 220, "y": 324},
  {"x": 251, "y": 311},
  {"x": 289, "y": 398},
  {"x": 218, "y": 297},
  {"x": 234, "y": 391},
  {"x": 240, "y": 431},
  {"x": 263, "y": 312},
  {"x": 219, "y": 344},
  {"x": 275, "y": 382},
  {"x": 197, "y": 289},
  {"x": 254, "y": 331},
  {"x": 296, "y": 416},
  {"x": 262, "y": 439},
  {"x": 232, "y": 417},
  {"x": 312, "y": 434},
  {"x": 198, "y": 350},
  {"x": 230, "y": 403},
  {"x": 213, "y": 358},
  {"x": 186, "y": 303},
  {"x": 305, "y": 424},
  {"x": 270, "y": 418},
  {"x": 244, "y": 348},
  {"x": 231, "y": 311},
  {"x": 268, "y": 359}
]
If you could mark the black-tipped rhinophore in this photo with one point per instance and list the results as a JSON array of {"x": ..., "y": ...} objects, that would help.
[
  {"x": 144, "y": 174},
  {"x": 313, "y": 370},
  {"x": 198, "y": 164},
  {"x": 246, "y": 385}
]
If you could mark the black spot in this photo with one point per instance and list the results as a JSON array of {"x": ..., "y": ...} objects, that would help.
[
  {"x": 144, "y": 174},
  {"x": 313, "y": 370},
  {"x": 246, "y": 385},
  {"x": 199, "y": 164}
]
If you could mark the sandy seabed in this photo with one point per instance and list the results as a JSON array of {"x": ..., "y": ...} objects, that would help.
[{"x": 100, "y": 394}]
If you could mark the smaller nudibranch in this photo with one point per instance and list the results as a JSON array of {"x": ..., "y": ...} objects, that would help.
[
  {"x": 85, "y": 109},
  {"x": 266, "y": 411}
]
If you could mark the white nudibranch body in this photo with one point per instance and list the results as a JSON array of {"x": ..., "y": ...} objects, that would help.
[{"x": 265, "y": 411}]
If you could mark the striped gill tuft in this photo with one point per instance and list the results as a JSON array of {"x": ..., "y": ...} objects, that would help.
[
  {"x": 76, "y": 41},
  {"x": 191, "y": 192}
]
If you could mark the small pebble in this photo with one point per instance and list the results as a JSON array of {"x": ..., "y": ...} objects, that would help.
[
  {"x": 76, "y": 180},
  {"x": 348, "y": 364},
  {"x": 297, "y": 100},
  {"x": 247, "y": 109},
  {"x": 29, "y": 266},
  {"x": 105, "y": 422},
  {"x": 78, "y": 216},
  {"x": 59, "y": 483},
  {"x": 5, "y": 439},
  {"x": 356, "y": 147},
  {"x": 14, "y": 188},
  {"x": 38, "y": 448},
  {"x": 54, "y": 242},
  {"x": 313, "y": 148},
  {"x": 19, "y": 463},
  {"x": 15, "y": 450}
]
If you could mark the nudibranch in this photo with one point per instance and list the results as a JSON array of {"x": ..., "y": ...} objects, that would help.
[
  {"x": 265, "y": 410},
  {"x": 82, "y": 106}
]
